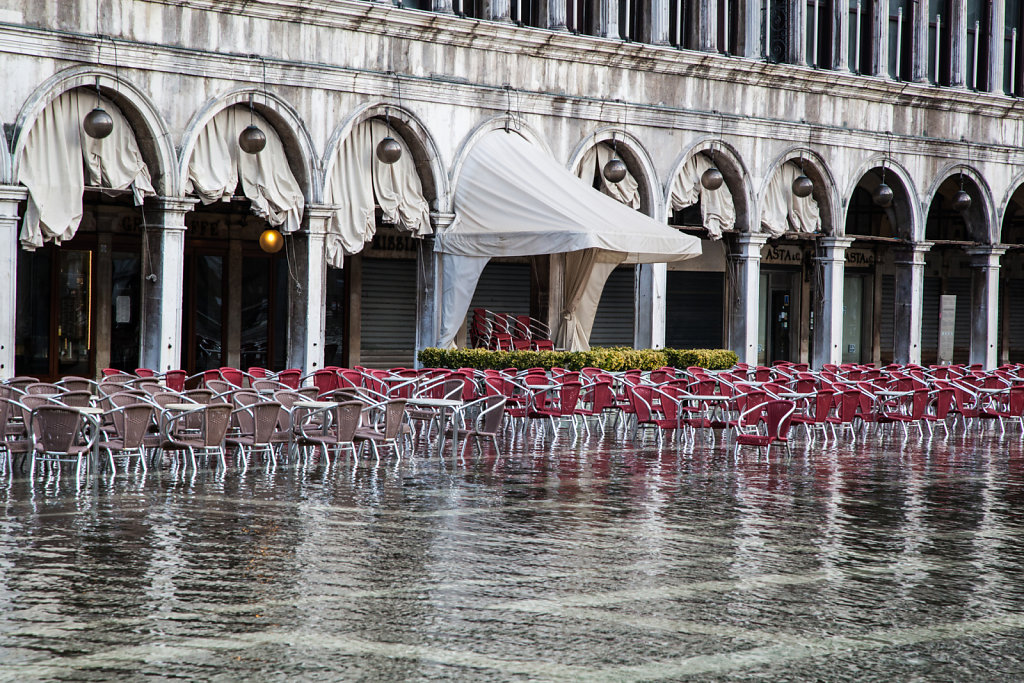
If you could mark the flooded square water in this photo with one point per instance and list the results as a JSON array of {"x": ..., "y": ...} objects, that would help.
[{"x": 590, "y": 561}]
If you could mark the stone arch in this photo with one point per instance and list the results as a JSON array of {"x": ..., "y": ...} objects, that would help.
[
  {"x": 733, "y": 169},
  {"x": 150, "y": 129},
  {"x": 298, "y": 145},
  {"x": 1015, "y": 186},
  {"x": 6, "y": 165},
  {"x": 637, "y": 160},
  {"x": 905, "y": 211},
  {"x": 824, "y": 191},
  {"x": 980, "y": 217},
  {"x": 416, "y": 136},
  {"x": 494, "y": 123}
]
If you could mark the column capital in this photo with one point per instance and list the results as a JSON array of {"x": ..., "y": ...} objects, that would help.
[
  {"x": 748, "y": 240},
  {"x": 441, "y": 220},
  {"x": 912, "y": 254},
  {"x": 318, "y": 216},
  {"x": 986, "y": 256},
  {"x": 836, "y": 242},
  {"x": 12, "y": 193}
]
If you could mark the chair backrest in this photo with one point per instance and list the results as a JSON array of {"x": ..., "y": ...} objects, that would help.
[
  {"x": 346, "y": 419},
  {"x": 72, "y": 383},
  {"x": 569, "y": 397},
  {"x": 667, "y": 401},
  {"x": 822, "y": 404},
  {"x": 394, "y": 413},
  {"x": 288, "y": 398},
  {"x": 76, "y": 399},
  {"x": 257, "y": 373},
  {"x": 37, "y": 388},
  {"x": 215, "y": 423},
  {"x": 265, "y": 416},
  {"x": 777, "y": 415},
  {"x": 56, "y": 428},
  {"x": 267, "y": 385},
  {"x": 489, "y": 420},
  {"x": 942, "y": 401},
  {"x": 1016, "y": 404},
  {"x": 219, "y": 386},
  {"x": 233, "y": 375},
  {"x": 131, "y": 422},
  {"x": 200, "y": 395},
  {"x": 640, "y": 398},
  {"x": 144, "y": 372},
  {"x": 290, "y": 378},
  {"x": 245, "y": 397},
  {"x": 175, "y": 380},
  {"x": 325, "y": 381}
]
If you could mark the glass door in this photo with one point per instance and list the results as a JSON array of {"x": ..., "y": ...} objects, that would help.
[{"x": 204, "y": 313}]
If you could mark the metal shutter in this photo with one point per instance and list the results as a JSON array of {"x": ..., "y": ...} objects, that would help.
[
  {"x": 388, "y": 313},
  {"x": 930, "y": 321},
  {"x": 693, "y": 316},
  {"x": 887, "y": 327},
  {"x": 613, "y": 324},
  {"x": 1015, "y": 311},
  {"x": 961, "y": 288},
  {"x": 503, "y": 288}
]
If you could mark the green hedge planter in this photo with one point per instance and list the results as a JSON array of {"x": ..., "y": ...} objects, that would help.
[{"x": 616, "y": 358}]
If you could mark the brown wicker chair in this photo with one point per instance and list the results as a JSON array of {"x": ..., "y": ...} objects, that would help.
[
  {"x": 387, "y": 430},
  {"x": 43, "y": 388},
  {"x": 132, "y": 424},
  {"x": 59, "y": 434},
  {"x": 257, "y": 422},
  {"x": 486, "y": 422},
  {"x": 202, "y": 429},
  {"x": 328, "y": 428}
]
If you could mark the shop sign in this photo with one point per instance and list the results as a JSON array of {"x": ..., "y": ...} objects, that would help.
[
  {"x": 782, "y": 255},
  {"x": 859, "y": 258},
  {"x": 392, "y": 245}
]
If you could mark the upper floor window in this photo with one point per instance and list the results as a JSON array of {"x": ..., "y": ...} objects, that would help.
[
  {"x": 819, "y": 33},
  {"x": 776, "y": 30},
  {"x": 1012, "y": 84},
  {"x": 900, "y": 37}
]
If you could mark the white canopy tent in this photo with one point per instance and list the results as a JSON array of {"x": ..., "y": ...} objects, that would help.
[
  {"x": 783, "y": 209},
  {"x": 59, "y": 158},
  {"x": 513, "y": 200},
  {"x": 218, "y": 164}
]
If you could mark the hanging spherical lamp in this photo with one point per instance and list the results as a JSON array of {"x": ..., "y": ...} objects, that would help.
[
  {"x": 961, "y": 201},
  {"x": 712, "y": 179},
  {"x": 615, "y": 170},
  {"x": 802, "y": 185},
  {"x": 883, "y": 196},
  {"x": 271, "y": 241},
  {"x": 98, "y": 123},
  {"x": 252, "y": 140},
  {"x": 388, "y": 150}
]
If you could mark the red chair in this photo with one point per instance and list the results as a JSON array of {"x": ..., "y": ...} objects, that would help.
[
  {"x": 233, "y": 375},
  {"x": 563, "y": 407},
  {"x": 940, "y": 404},
  {"x": 822, "y": 403},
  {"x": 175, "y": 380},
  {"x": 1014, "y": 409},
  {"x": 144, "y": 372},
  {"x": 107, "y": 372},
  {"x": 258, "y": 373},
  {"x": 904, "y": 413},
  {"x": 325, "y": 381},
  {"x": 290, "y": 378},
  {"x": 765, "y": 424}
]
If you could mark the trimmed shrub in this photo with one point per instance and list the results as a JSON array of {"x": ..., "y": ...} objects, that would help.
[{"x": 613, "y": 358}]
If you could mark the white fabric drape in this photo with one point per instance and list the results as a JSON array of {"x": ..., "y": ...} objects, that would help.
[
  {"x": 460, "y": 276},
  {"x": 716, "y": 206},
  {"x": 358, "y": 180},
  {"x": 512, "y": 200},
  {"x": 585, "y": 275},
  {"x": 218, "y": 165},
  {"x": 59, "y": 158},
  {"x": 626, "y": 191},
  {"x": 783, "y": 210}
]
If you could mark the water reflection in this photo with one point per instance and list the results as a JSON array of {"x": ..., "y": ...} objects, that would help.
[{"x": 591, "y": 561}]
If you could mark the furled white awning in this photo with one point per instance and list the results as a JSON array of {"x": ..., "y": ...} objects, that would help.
[
  {"x": 716, "y": 206},
  {"x": 218, "y": 164},
  {"x": 513, "y": 200},
  {"x": 358, "y": 180},
  {"x": 59, "y": 158},
  {"x": 783, "y": 210}
]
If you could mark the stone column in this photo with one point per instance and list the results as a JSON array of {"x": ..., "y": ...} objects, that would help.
[
  {"x": 958, "y": 43},
  {"x": 841, "y": 38},
  {"x": 798, "y": 32},
  {"x": 442, "y": 6},
  {"x": 753, "y": 44},
  {"x": 707, "y": 26},
  {"x": 164, "y": 286},
  {"x": 921, "y": 65},
  {"x": 828, "y": 314},
  {"x": 556, "y": 292},
  {"x": 651, "y": 281},
  {"x": 307, "y": 311},
  {"x": 909, "y": 305},
  {"x": 879, "y": 18},
  {"x": 554, "y": 12},
  {"x": 996, "y": 20},
  {"x": 607, "y": 19},
  {"x": 658, "y": 29},
  {"x": 428, "y": 286},
  {"x": 985, "y": 304},
  {"x": 745, "y": 309},
  {"x": 10, "y": 196},
  {"x": 499, "y": 10}
]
